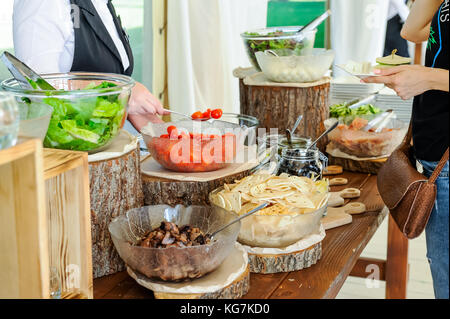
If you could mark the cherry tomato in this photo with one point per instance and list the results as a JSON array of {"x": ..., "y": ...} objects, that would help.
[
  {"x": 207, "y": 114},
  {"x": 183, "y": 135},
  {"x": 165, "y": 136},
  {"x": 172, "y": 130},
  {"x": 217, "y": 114},
  {"x": 197, "y": 115}
]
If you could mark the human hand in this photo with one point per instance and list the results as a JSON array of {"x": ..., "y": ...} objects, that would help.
[
  {"x": 406, "y": 80},
  {"x": 144, "y": 107},
  {"x": 142, "y": 102}
]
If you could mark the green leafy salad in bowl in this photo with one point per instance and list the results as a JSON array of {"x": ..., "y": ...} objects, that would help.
[
  {"x": 88, "y": 109},
  {"x": 343, "y": 111},
  {"x": 276, "y": 38}
]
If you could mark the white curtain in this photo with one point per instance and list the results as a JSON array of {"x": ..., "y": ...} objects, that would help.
[
  {"x": 203, "y": 48},
  {"x": 358, "y": 30}
]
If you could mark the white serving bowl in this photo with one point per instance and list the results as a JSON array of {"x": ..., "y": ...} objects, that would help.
[{"x": 288, "y": 67}]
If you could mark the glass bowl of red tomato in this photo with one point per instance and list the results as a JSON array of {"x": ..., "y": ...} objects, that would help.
[{"x": 195, "y": 146}]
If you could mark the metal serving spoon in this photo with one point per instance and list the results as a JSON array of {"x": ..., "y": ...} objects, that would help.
[
  {"x": 178, "y": 113},
  {"x": 257, "y": 209},
  {"x": 324, "y": 134},
  {"x": 289, "y": 133}
]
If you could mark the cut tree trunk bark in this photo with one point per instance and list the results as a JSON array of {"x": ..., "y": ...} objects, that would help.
[
  {"x": 115, "y": 187},
  {"x": 159, "y": 191},
  {"x": 279, "y": 106},
  {"x": 369, "y": 167},
  {"x": 272, "y": 264}
]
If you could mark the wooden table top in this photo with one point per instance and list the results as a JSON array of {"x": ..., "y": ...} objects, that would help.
[{"x": 341, "y": 249}]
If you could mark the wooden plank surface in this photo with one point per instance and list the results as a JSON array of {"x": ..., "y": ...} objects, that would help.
[
  {"x": 24, "y": 263},
  {"x": 56, "y": 162},
  {"x": 341, "y": 249},
  {"x": 66, "y": 176}
]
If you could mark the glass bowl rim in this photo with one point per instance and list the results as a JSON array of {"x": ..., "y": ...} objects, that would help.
[
  {"x": 126, "y": 83},
  {"x": 321, "y": 52},
  {"x": 255, "y": 122},
  {"x": 192, "y": 248},
  {"x": 292, "y": 215},
  {"x": 232, "y": 126},
  {"x": 245, "y": 36}
]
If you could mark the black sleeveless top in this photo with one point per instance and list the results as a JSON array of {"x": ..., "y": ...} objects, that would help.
[
  {"x": 431, "y": 109},
  {"x": 95, "y": 50}
]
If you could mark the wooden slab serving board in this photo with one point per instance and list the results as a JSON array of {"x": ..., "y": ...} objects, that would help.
[{"x": 342, "y": 216}]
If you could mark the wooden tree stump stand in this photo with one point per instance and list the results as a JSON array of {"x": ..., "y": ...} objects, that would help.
[
  {"x": 115, "y": 188},
  {"x": 277, "y": 105},
  {"x": 159, "y": 191},
  {"x": 271, "y": 264},
  {"x": 369, "y": 166}
]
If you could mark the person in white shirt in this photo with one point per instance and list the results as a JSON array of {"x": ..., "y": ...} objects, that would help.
[{"x": 60, "y": 36}]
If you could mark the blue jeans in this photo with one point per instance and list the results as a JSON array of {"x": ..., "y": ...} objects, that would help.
[{"x": 437, "y": 232}]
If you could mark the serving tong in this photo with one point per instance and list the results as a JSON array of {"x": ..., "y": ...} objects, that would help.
[
  {"x": 380, "y": 121},
  {"x": 27, "y": 78},
  {"x": 309, "y": 27},
  {"x": 314, "y": 23}
]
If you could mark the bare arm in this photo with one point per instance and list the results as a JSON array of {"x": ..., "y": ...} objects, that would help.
[
  {"x": 417, "y": 26},
  {"x": 411, "y": 80}
]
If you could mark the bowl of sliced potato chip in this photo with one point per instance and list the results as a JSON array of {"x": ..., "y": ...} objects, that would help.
[{"x": 297, "y": 205}]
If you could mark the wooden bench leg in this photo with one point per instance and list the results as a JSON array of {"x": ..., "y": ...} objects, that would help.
[{"x": 396, "y": 263}]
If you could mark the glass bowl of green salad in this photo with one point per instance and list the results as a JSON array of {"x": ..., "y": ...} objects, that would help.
[
  {"x": 276, "y": 38},
  {"x": 89, "y": 109}
]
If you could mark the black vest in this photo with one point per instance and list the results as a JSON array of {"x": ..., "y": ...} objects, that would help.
[{"x": 95, "y": 50}]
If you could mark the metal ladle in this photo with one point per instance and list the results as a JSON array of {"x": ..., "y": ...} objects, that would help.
[
  {"x": 324, "y": 134},
  {"x": 289, "y": 133},
  {"x": 257, "y": 209}
]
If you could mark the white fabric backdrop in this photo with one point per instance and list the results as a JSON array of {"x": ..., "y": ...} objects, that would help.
[
  {"x": 358, "y": 30},
  {"x": 203, "y": 48}
]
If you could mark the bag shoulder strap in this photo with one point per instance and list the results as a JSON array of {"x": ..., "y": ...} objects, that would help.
[{"x": 439, "y": 167}]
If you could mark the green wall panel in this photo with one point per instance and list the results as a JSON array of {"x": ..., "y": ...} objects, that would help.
[{"x": 290, "y": 13}]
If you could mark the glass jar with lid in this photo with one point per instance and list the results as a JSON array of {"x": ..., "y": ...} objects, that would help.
[
  {"x": 302, "y": 162},
  {"x": 274, "y": 144}
]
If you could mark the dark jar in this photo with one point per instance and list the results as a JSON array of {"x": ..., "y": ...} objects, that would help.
[{"x": 302, "y": 162}]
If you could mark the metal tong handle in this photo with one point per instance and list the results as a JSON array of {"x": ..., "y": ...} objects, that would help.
[
  {"x": 364, "y": 101},
  {"x": 27, "y": 78},
  {"x": 316, "y": 22},
  {"x": 379, "y": 120}
]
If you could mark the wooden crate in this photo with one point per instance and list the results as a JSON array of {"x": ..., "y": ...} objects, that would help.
[
  {"x": 66, "y": 177},
  {"x": 24, "y": 249}
]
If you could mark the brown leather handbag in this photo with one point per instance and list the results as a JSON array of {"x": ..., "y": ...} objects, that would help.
[{"x": 409, "y": 195}]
